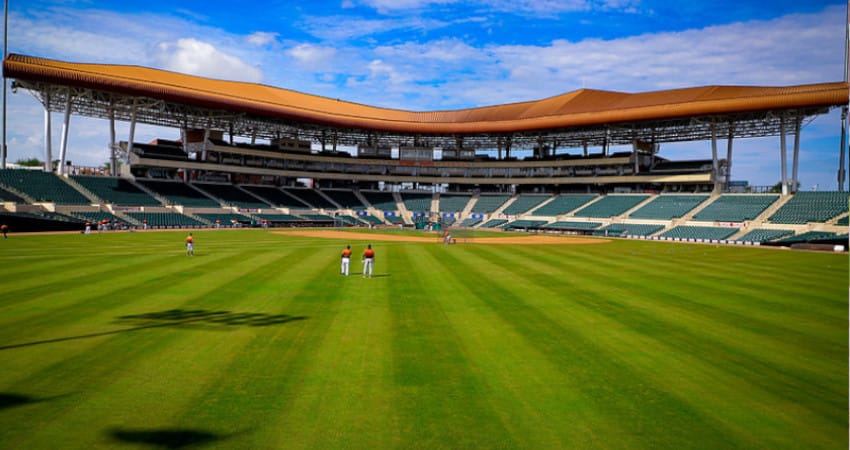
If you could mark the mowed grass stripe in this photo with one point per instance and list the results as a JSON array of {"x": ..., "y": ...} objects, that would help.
[
  {"x": 567, "y": 335},
  {"x": 149, "y": 347},
  {"x": 780, "y": 378},
  {"x": 227, "y": 275},
  {"x": 254, "y": 400},
  {"x": 440, "y": 397},
  {"x": 338, "y": 395},
  {"x": 537, "y": 405}
]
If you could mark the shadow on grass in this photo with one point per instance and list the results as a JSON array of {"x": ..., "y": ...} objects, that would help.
[
  {"x": 10, "y": 400},
  {"x": 166, "y": 438},
  {"x": 178, "y": 318}
]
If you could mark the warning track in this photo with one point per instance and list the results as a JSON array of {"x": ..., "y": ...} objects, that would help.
[{"x": 533, "y": 239}]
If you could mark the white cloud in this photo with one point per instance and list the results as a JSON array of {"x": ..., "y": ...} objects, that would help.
[
  {"x": 342, "y": 28},
  {"x": 313, "y": 57},
  {"x": 195, "y": 57},
  {"x": 261, "y": 38}
]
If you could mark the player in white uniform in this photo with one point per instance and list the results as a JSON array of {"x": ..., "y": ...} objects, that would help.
[
  {"x": 346, "y": 260},
  {"x": 368, "y": 259}
]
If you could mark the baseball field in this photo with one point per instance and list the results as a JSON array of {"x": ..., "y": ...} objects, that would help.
[{"x": 121, "y": 340}]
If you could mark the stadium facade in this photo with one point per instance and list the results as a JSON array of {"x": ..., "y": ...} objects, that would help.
[{"x": 251, "y": 138}]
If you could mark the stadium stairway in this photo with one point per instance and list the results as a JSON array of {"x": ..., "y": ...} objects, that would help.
[
  {"x": 82, "y": 190},
  {"x": 20, "y": 194},
  {"x": 148, "y": 191},
  {"x": 635, "y": 208},
  {"x": 690, "y": 215},
  {"x": 469, "y": 205},
  {"x": 573, "y": 212}
]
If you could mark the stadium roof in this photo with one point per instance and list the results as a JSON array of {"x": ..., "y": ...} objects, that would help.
[{"x": 581, "y": 109}]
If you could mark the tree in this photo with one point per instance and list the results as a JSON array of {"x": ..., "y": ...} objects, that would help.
[
  {"x": 777, "y": 188},
  {"x": 32, "y": 162}
]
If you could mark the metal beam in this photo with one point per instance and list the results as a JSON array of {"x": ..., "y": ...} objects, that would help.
[
  {"x": 63, "y": 144},
  {"x": 48, "y": 140},
  {"x": 783, "y": 156}
]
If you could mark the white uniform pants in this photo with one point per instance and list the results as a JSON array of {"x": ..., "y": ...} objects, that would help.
[
  {"x": 343, "y": 269},
  {"x": 367, "y": 267}
]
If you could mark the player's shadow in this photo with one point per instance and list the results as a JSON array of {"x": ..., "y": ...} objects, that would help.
[
  {"x": 167, "y": 437},
  {"x": 178, "y": 318}
]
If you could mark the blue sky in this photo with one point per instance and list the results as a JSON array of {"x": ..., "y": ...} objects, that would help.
[{"x": 447, "y": 54}]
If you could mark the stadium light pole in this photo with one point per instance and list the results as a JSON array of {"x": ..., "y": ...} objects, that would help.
[
  {"x": 3, "y": 149},
  {"x": 844, "y": 119}
]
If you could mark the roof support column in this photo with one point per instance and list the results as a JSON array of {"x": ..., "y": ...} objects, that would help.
[
  {"x": 499, "y": 147},
  {"x": 842, "y": 150},
  {"x": 796, "y": 158},
  {"x": 584, "y": 145},
  {"x": 133, "y": 130},
  {"x": 635, "y": 155},
  {"x": 715, "y": 174},
  {"x": 729, "y": 154},
  {"x": 48, "y": 138},
  {"x": 323, "y": 139},
  {"x": 334, "y": 142},
  {"x": 63, "y": 145},
  {"x": 783, "y": 155},
  {"x": 113, "y": 159}
]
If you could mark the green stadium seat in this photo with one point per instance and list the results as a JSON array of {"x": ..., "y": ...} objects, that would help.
[
  {"x": 735, "y": 208},
  {"x": 524, "y": 203},
  {"x": 805, "y": 207},
  {"x": 563, "y": 204},
  {"x": 611, "y": 206},
  {"x": 667, "y": 207}
]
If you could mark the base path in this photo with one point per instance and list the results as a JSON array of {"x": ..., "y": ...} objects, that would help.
[{"x": 514, "y": 240}]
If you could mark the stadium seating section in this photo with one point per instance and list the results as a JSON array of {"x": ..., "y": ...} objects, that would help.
[
  {"x": 667, "y": 207},
  {"x": 735, "y": 208},
  {"x": 276, "y": 197},
  {"x": 493, "y": 223},
  {"x": 697, "y": 232},
  {"x": 454, "y": 202},
  {"x": 9, "y": 196},
  {"x": 116, "y": 191},
  {"x": 611, "y": 206},
  {"x": 524, "y": 203},
  {"x": 232, "y": 195},
  {"x": 844, "y": 221},
  {"x": 807, "y": 207},
  {"x": 346, "y": 199},
  {"x": 42, "y": 186},
  {"x": 417, "y": 202},
  {"x": 310, "y": 197},
  {"x": 563, "y": 204},
  {"x": 764, "y": 235},
  {"x": 469, "y": 222},
  {"x": 567, "y": 225},
  {"x": 383, "y": 201},
  {"x": 489, "y": 203},
  {"x": 810, "y": 236},
  {"x": 165, "y": 219},
  {"x": 179, "y": 193}
]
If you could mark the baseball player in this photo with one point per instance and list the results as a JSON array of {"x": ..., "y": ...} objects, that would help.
[
  {"x": 346, "y": 260},
  {"x": 368, "y": 259}
]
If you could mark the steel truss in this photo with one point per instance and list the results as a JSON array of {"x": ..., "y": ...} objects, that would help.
[{"x": 121, "y": 107}]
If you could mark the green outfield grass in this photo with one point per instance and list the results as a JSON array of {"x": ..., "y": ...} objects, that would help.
[{"x": 121, "y": 340}]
